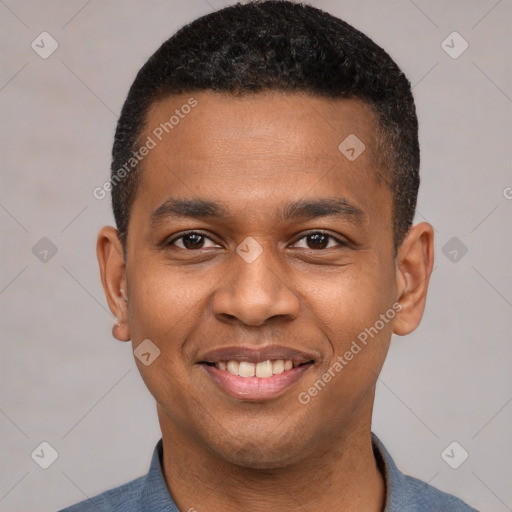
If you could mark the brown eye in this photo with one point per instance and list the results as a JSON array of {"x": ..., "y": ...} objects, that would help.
[
  {"x": 191, "y": 241},
  {"x": 319, "y": 241}
]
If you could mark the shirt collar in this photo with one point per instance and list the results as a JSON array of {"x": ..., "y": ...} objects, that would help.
[
  {"x": 155, "y": 495},
  {"x": 394, "y": 479}
]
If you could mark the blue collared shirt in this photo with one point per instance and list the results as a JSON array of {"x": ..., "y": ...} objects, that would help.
[{"x": 149, "y": 493}]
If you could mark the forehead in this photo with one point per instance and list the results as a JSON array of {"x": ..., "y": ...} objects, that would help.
[
  {"x": 251, "y": 149},
  {"x": 266, "y": 124}
]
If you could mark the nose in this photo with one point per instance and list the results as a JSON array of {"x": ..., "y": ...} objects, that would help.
[{"x": 255, "y": 293}]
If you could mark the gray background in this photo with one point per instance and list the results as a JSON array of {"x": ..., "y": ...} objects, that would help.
[{"x": 66, "y": 381}]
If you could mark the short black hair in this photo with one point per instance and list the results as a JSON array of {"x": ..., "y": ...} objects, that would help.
[{"x": 275, "y": 45}]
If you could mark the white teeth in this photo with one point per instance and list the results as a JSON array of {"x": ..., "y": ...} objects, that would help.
[
  {"x": 233, "y": 367},
  {"x": 277, "y": 366},
  {"x": 246, "y": 369},
  {"x": 262, "y": 370}
]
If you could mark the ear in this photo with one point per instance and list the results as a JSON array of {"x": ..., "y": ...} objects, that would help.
[
  {"x": 414, "y": 263},
  {"x": 113, "y": 278}
]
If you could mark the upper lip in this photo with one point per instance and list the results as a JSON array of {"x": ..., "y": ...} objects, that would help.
[{"x": 256, "y": 355}]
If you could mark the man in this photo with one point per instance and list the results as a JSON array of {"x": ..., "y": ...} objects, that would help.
[{"x": 264, "y": 183}]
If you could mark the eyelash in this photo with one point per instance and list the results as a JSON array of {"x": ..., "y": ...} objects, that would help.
[{"x": 328, "y": 235}]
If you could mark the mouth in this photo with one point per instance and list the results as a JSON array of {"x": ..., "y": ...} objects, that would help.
[
  {"x": 256, "y": 375},
  {"x": 261, "y": 370}
]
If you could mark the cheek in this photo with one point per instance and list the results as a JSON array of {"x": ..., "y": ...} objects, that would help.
[
  {"x": 348, "y": 309},
  {"x": 163, "y": 303},
  {"x": 353, "y": 299},
  {"x": 164, "y": 308}
]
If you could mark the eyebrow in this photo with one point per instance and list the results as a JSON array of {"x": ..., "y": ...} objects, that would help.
[{"x": 302, "y": 209}]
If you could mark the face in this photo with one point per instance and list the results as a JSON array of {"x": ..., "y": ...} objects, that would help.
[{"x": 260, "y": 263}]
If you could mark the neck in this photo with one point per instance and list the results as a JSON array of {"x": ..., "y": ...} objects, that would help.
[{"x": 343, "y": 475}]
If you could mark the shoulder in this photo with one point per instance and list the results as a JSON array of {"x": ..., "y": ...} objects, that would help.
[
  {"x": 121, "y": 499},
  {"x": 146, "y": 493},
  {"x": 419, "y": 495},
  {"x": 405, "y": 492}
]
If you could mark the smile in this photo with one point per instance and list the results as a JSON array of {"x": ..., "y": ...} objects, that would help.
[
  {"x": 256, "y": 373},
  {"x": 262, "y": 370}
]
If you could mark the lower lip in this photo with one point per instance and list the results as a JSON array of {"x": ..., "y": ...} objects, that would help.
[{"x": 256, "y": 388}]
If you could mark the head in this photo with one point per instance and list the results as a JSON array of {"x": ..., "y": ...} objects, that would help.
[
  {"x": 271, "y": 169},
  {"x": 277, "y": 46}
]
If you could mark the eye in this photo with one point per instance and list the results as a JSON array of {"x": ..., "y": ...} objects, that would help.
[
  {"x": 191, "y": 241},
  {"x": 319, "y": 240}
]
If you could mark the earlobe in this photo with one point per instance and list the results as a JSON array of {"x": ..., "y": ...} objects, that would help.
[
  {"x": 121, "y": 332},
  {"x": 414, "y": 263},
  {"x": 109, "y": 251}
]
